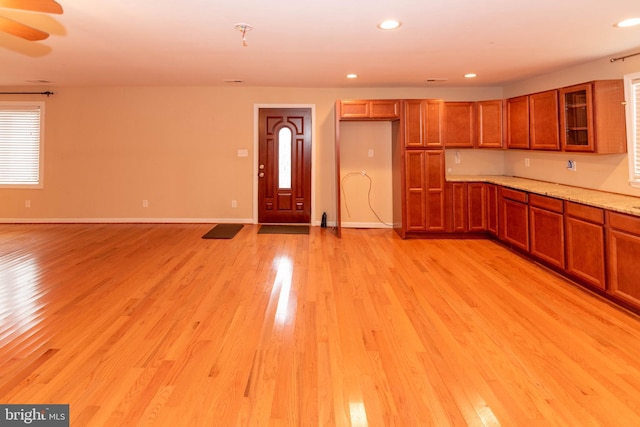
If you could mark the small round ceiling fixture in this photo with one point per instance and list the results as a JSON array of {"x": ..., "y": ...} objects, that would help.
[{"x": 389, "y": 24}]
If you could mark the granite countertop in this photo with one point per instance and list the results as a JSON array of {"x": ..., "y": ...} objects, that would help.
[{"x": 601, "y": 199}]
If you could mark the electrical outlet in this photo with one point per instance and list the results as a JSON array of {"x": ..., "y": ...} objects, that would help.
[
  {"x": 27, "y": 203},
  {"x": 370, "y": 152},
  {"x": 234, "y": 203},
  {"x": 458, "y": 158},
  {"x": 571, "y": 165},
  {"x": 145, "y": 203},
  {"x": 527, "y": 162}
]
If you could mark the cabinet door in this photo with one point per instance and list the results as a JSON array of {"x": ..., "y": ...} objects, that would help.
[
  {"x": 477, "y": 207},
  {"x": 514, "y": 218},
  {"x": 435, "y": 190},
  {"x": 584, "y": 239},
  {"x": 433, "y": 124},
  {"x": 415, "y": 113},
  {"x": 354, "y": 109},
  {"x": 515, "y": 223},
  {"x": 492, "y": 209},
  {"x": 490, "y": 126},
  {"x": 592, "y": 116},
  {"x": 458, "y": 124},
  {"x": 547, "y": 235},
  {"x": 544, "y": 133},
  {"x": 518, "y": 122},
  {"x": 384, "y": 109},
  {"x": 576, "y": 116},
  {"x": 425, "y": 190},
  {"x": 623, "y": 243},
  {"x": 459, "y": 206},
  {"x": 416, "y": 192}
]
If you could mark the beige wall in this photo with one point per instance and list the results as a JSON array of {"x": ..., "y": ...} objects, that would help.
[
  {"x": 109, "y": 148},
  {"x": 356, "y": 139},
  {"x": 601, "y": 172}
]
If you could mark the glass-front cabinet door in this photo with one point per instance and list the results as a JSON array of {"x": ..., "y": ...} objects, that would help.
[{"x": 576, "y": 116}]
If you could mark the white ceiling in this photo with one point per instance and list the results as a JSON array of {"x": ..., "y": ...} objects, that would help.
[{"x": 313, "y": 43}]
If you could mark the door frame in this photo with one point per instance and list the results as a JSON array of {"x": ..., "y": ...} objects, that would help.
[{"x": 256, "y": 138}]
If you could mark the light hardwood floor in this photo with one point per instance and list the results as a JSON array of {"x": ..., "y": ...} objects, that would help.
[{"x": 152, "y": 325}]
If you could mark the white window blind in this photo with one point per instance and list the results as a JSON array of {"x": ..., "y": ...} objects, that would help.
[
  {"x": 635, "y": 130},
  {"x": 20, "y": 144}
]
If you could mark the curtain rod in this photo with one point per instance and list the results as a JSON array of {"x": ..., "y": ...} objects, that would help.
[
  {"x": 624, "y": 57},
  {"x": 48, "y": 93}
]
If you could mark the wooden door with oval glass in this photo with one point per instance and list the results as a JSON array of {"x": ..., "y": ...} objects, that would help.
[{"x": 284, "y": 165}]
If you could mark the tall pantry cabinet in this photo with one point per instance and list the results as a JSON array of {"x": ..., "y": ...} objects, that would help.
[{"x": 424, "y": 177}]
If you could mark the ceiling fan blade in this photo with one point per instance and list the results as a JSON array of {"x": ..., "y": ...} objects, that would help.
[
  {"x": 46, "y": 6},
  {"x": 20, "y": 30}
]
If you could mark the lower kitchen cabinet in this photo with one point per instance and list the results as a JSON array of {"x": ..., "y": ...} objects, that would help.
[
  {"x": 584, "y": 235},
  {"x": 459, "y": 206},
  {"x": 425, "y": 188},
  {"x": 467, "y": 207},
  {"x": 623, "y": 249},
  {"x": 514, "y": 218},
  {"x": 477, "y": 207},
  {"x": 492, "y": 209},
  {"x": 546, "y": 224}
]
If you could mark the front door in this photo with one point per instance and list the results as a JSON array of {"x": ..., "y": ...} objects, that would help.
[{"x": 284, "y": 165}]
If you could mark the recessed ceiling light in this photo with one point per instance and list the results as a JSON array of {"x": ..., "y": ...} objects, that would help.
[
  {"x": 236, "y": 81},
  {"x": 470, "y": 75},
  {"x": 628, "y": 22},
  {"x": 352, "y": 76},
  {"x": 389, "y": 24}
]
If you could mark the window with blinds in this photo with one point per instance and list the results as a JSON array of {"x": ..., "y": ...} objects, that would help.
[
  {"x": 632, "y": 88},
  {"x": 21, "y": 144}
]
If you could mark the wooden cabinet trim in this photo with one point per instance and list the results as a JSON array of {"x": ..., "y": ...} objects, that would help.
[
  {"x": 626, "y": 223},
  {"x": 587, "y": 213},
  {"x": 517, "y": 195},
  {"x": 545, "y": 202}
]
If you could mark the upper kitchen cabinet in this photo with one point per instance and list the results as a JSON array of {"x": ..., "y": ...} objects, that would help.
[
  {"x": 592, "y": 117},
  {"x": 490, "y": 124},
  {"x": 370, "y": 109},
  {"x": 458, "y": 126},
  {"x": 544, "y": 132},
  {"x": 518, "y": 122},
  {"x": 423, "y": 123}
]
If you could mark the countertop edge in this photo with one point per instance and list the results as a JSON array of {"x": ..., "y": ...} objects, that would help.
[{"x": 601, "y": 199}]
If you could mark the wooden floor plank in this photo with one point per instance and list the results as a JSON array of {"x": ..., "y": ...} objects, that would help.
[{"x": 148, "y": 324}]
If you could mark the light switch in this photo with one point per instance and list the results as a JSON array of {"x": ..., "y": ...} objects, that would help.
[
  {"x": 370, "y": 152},
  {"x": 243, "y": 153}
]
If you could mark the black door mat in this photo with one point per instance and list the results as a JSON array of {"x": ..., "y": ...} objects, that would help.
[
  {"x": 283, "y": 229},
  {"x": 223, "y": 231}
]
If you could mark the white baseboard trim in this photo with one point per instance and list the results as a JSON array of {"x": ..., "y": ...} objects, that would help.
[{"x": 126, "y": 220}]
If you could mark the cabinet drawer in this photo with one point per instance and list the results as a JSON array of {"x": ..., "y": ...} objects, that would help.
[
  {"x": 587, "y": 213},
  {"x": 518, "y": 196},
  {"x": 628, "y": 223},
  {"x": 548, "y": 203}
]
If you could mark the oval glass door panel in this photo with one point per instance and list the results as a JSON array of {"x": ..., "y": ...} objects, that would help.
[{"x": 284, "y": 158}]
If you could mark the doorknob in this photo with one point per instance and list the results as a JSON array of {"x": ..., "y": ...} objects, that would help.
[
  {"x": 261, "y": 174},
  {"x": 261, "y": 167}
]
